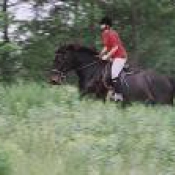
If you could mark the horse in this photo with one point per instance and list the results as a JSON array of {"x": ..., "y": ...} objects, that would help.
[
  {"x": 94, "y": 77},
  {"x": 87, "y": 67}
]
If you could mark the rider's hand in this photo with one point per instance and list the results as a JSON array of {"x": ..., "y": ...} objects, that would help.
[
  {"x": 98, "y": 56},
  {"x": 104, "y": 57}
]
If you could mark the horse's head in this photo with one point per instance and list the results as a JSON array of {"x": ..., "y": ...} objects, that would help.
[
  {"x": 71, "y": 57},
  {"x": 62, "y": 64}
]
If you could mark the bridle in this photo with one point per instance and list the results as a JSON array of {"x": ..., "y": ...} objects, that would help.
[
  {"x": 88, "y": 65},
  {"x": 63, "y": 74}
]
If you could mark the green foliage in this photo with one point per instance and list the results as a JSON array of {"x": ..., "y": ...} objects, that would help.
[
  {"x": 9, "y": 61},
  {"x": 59, "y": 134},
  {"x": 5, "y": 168},
  {"x": 146, "y": 27},
  {"x": 11, "y": 48},
  {"x": 37, "y": 60},
  {"x": 65, "y": 26}
]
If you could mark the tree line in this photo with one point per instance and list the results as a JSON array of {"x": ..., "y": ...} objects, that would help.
[{"x": 146, "y": 27}]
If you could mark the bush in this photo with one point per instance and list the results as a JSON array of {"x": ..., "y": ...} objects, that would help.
[{"x": 5, "y": 168}]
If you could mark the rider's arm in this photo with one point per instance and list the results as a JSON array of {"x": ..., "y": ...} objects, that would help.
[
  {"x": 112, "y": 51},
  {"x": 112, "y": 39},
  {"x": 104, "y": 50}
]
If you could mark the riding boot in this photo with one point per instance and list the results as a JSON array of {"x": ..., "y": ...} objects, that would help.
[
  {"x": 117, "y": 95},
  {"x": 116, "y": 84}
]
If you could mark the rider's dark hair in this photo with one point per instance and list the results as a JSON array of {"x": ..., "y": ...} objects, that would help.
[{"x": 106, "y": 20}]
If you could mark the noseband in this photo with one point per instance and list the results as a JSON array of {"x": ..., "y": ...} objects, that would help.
[{"x": 61, "y": 74}]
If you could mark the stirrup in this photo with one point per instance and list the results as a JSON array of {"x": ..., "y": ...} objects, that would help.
[
  {"x": 115, "y": 79},
  {"x": 115, "y": 96},
  {"x": 118, "y": 97}
]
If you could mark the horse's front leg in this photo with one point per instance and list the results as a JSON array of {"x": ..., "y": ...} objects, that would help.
[
  {"x": 83, "y": 94},
  {"x": 126, "y": 100},
  {"x": 125, "y": 103},
  {"x": 102, "y": 96}
]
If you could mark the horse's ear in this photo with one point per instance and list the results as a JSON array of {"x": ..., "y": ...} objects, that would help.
[
  {"x": 93, "y": 48},
  {"x": 77, "y": 46},
  {"x": 56, "y": 49},
  {"x": 72, "y": 46},
  {"x": 61, "y": 44}
]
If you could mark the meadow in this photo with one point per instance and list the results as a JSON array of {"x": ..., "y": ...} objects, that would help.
[{"x": 46, "y": 130}]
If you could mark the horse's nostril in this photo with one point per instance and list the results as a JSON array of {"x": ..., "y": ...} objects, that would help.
[{"x": 54, "y": 82}]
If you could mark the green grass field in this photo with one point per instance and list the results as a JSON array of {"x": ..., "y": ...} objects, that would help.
[{"x": 47, "y": 130}]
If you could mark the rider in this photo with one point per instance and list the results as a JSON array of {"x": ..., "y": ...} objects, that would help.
[{"x": 113, "y": 49}]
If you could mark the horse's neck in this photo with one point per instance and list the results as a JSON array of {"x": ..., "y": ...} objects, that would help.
[
  {"x": 87, "y": 68},
  {"x": 85, "y": 59}
]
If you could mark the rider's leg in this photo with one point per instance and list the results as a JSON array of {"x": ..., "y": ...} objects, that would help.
[{"x": 117, "y": 66}]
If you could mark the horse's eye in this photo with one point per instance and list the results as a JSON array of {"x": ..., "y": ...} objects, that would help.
[
  {"x": 58, "y": 54},
  {"x": 59, "y": 60}
]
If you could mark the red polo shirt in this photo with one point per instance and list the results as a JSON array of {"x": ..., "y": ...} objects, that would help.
[{"x": 111, "y": 39}]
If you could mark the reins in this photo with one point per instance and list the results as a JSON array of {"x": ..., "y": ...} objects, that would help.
[
  {"x": 88, "y": 65},
  {"x": 79, "y": 68}
]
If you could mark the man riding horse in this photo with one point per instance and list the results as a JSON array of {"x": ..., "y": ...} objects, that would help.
[
  {"x": 113, "y": 50},
  {"x": 143, "y": 85}
]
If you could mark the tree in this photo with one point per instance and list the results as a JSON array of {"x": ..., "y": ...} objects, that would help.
[
  {"x": 146, "y": 27},
  {"x": 8, "y": 49}
]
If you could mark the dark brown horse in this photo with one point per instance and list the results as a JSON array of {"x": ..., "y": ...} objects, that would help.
[{"x": 143, "y": 85}]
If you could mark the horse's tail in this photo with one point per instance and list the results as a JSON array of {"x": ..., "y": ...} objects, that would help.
[{"x": 172, "y": 81}]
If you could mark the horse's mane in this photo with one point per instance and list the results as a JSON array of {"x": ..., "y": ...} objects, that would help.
[
  {"x": 79, "y": 48},
  {"x": 89, "y": 50}
]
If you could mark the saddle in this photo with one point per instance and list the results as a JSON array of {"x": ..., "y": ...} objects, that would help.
[{"x": 127, "y": 70}]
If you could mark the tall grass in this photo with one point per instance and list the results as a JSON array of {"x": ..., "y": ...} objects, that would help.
[{"x": 49, "y": 131}]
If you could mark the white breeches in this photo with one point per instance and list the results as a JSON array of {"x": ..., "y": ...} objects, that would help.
[{"x": 117, "y": 66}]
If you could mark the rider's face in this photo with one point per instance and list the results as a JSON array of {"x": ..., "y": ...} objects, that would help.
[{"x": 102, "y": 26}]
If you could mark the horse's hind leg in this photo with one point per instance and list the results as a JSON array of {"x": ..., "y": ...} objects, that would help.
[
  {"x": 169, "y": 101},
  {"x": 126, "y": 102},
  {"x": 172, "y": 101},
  {"x": 102, "y": 97},
  {"x": 82, "y": 94},
  {"x": 149, "y": 91},
  {"x": 126, "y": 97},
  {"x": 149, "y": 102}
]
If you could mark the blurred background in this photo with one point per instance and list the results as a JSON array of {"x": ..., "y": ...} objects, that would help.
[
  {"x": 31, "y": 30},
  {"x": 48, "y": 130}
]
